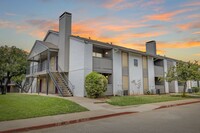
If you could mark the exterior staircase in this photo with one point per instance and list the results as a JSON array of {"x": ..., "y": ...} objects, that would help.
[
  {"x": 61, "y": 84},
  {"x": 27, "y": 84}
]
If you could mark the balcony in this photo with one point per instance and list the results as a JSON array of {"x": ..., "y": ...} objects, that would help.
[
  {"x": 102, "y": 65},
  {"x": 159, "y": 71},
  {"x": 36, "y": 70}
]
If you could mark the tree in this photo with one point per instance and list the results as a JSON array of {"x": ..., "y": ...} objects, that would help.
[
  {"x": 95, "y": 84},
  {"x": 19, "y": 80},
  {"x": 1, "y": 78},
  {"x": 13, "y": 63},
  {"x": 183, "y": 72}
]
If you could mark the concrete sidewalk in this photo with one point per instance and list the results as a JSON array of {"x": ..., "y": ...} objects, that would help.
[
  {"x": 95, "y": 104},
  {"x": 98, "y": 110}
]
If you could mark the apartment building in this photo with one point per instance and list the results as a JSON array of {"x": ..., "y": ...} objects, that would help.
[{"x": 60, "y": 63}]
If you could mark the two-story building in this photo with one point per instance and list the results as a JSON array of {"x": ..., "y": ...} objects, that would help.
[{"x": 60, "y": 63}]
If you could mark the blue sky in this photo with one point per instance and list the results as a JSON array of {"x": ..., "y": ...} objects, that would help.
[{"x": 173, "y": 24}]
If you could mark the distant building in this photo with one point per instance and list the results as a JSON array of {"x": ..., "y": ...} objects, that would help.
[{"x": 60, "y": 63}]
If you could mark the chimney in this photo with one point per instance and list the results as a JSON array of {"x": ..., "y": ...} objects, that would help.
[
  {"x": 151, "y": 47},
  {"x": 65, "y": 21}
]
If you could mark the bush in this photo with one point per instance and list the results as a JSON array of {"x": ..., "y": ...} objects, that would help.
[
  {"x": 148, "y": 92},
  {"x": 95, "y": 84},
  {"x": 195, "y": 89}
]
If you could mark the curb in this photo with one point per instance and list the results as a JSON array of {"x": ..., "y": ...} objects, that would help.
[
  {"x": 174, "y": 105},
  {"x": 25, "y": 129}
]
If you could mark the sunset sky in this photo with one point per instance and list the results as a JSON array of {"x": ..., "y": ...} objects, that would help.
[{"x": 173, "y": 24}]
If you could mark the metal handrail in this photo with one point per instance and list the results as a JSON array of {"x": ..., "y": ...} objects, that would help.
[
  {"x": 55, "y": 83},
  {"x": 69, "y": 84},
  {"x": 29, "y": 84}
]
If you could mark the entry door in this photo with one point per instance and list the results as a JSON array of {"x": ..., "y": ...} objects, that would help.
[
  {"x": 56, "y": 64},
  {"x": 40, "y": 85},
  {"x": 56, "y": 90}
]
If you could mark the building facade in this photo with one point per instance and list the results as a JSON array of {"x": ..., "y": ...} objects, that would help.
[{"x": 60, "y": 63}]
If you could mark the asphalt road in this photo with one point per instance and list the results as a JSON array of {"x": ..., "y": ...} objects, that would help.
[{"x": 181, "y": 119}]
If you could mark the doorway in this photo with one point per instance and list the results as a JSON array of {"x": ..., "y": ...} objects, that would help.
[{"x": 40, "y": 89}]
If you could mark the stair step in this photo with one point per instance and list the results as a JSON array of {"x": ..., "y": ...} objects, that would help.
[{"x": 62, "y": 84}]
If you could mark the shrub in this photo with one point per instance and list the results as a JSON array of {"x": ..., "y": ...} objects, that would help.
[
  {"x": 148, "y": 92},
  {"x": 95, "y": 84},
  {"x": 195, "y": 89}
]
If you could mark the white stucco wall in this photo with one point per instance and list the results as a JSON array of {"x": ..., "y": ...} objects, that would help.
[
  {"x": 151, "y": 74},
  {"x": 194, "y": 84},
  {"x": 166, "y": 84},
  {"x": 175, "y": 82},
  {"x": 135, "y": 75},
  {"x": 117, "y": 73},
  {"x": 33, "y": 87},
  {"x": 52, "y": 38},
  {"x": 80, "y": 64}
]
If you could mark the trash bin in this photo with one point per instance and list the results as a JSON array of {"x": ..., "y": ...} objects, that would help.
[{"x": 158, "y": 91}]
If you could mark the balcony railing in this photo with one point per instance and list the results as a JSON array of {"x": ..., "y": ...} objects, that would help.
[
  {"x": 36, "y": 68},
  {"x": 159, "y": 71},
  {"x": 102, "y": 63}
]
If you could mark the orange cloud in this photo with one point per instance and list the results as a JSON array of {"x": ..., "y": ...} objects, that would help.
[
  {"x": 194, "y": 16},
  {"x": 165, "y": 16},
  {"x": 195, "y": 3},
  {"x": 112, "y": 3},
  {"x": 191, "y": 25},
  {"x": 118, "y": 4},
  {"x": 151, "y": 3},
  {"x": 6, "y": 24},
  {"x": 161, "y": 52},
  {"x": 188, "y": 44},
  {"x": 198, "y": 32},
  {"x": 37, "y": 33},
  {"x": 122, "y": 27},
  {"x": 124, "y": 4},
  {"x": 147, "y": 35},
  {"x": 38, "y": 28},
  {"x": 141, "y": 47},
  {"x": 196, "y": 54}
]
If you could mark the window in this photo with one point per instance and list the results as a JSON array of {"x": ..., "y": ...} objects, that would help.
[
  {"x": 135, "y": 62},
  {"x": 124, "y": 59},
  {"x": 95, "y": 54},
  {"x": 98, "y": 54}
]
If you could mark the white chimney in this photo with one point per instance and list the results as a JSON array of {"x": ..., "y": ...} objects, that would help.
[
  {"x": 151, "y": 47},
  {"x": 64, "y": 33}
]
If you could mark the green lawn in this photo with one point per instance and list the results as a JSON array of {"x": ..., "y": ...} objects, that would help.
[
  {"x": 198, "y": 93},
  {"x": 20, "y": 106},
  {"x": 135, "y": 100}
]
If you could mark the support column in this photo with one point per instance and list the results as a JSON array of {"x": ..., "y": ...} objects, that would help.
[
  {"x": 47, "y": 79},
  {"x": 40, "y": 64},
  {"x": 48, "y": 60},
  {"x": 32, "y": 86},
  {"x": 48, "y": 68},
  {"x": 32, "y": 68},
  {"x": 37, "y": 86},
  {"x": 166, "y": 84},
  {"x": 175, "y": 82}
]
